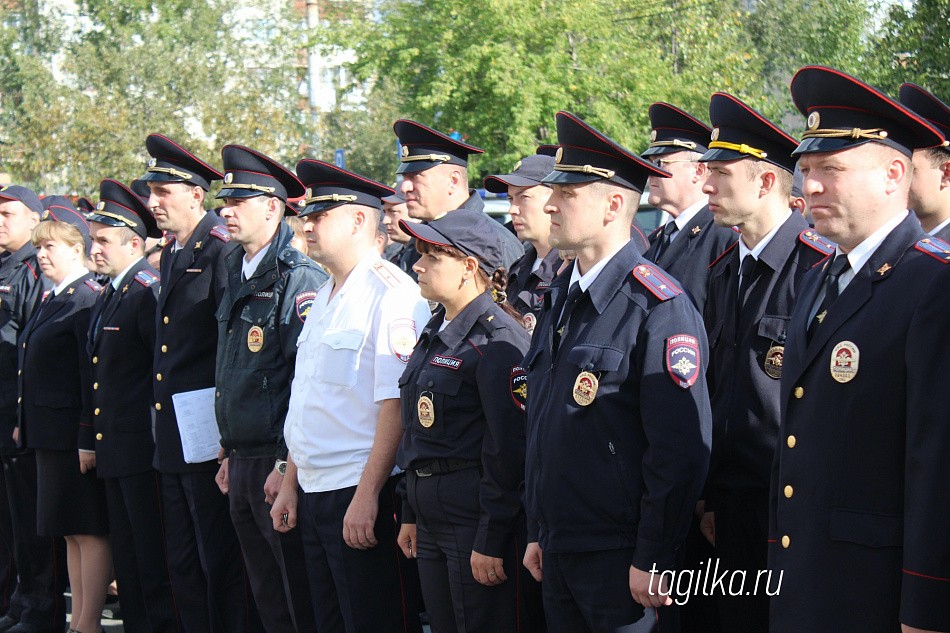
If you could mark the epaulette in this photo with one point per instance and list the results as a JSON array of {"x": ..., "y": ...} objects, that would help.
[
  {"x": 817, "y": 242},
  {"x": 380, "y": 270},
  {"x": 146, "y": 277},
  {"x": 656, "y": 230},
  {"x": 656, "y": 282},
  {"x": 935, "y": 247},
  {"x": 724, "y": 253},
  {"x": 92, "y": 284},
  {"x": 220, "y": 232}
]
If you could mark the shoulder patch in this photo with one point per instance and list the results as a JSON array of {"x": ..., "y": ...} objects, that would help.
[
  {"x": 519, "y": 386},
  {"x": 935, "y": 247},
  {"x": 304, "y": 301},
  {"x": 817, "y": 242},
  {"x": 402, "y": 338},
  {"x": 220, "y": 232},
  {"x": 656, "y": 282},
  {"x": 682, "y": 359},
  {"x": 146, "y": 277},
  {"x": 92, "y": 284},
  {"x": 724, "y": 253},
  {"x": 380, "y": 270}
]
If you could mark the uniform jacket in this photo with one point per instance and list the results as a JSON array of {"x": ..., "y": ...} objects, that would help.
[
  {"x": 512, "y": 249},
  {"x": 746, "y": 356},
  {"x": 121, "y": 343},
  {"x": 526, "y": 288},
  {"x": 638, "y": 236},
  {"x": 943, "y": 234},
  {"x": 186, "y": 333},
  {"x": 259, "y": 321},
  {"x": 471, "y": 373},
  {"x": 405, "y": 257},
  {"x": 625, "y": 471},
  {"x": 21, "y": 290},
  {"x": 688, "y": 257},
  {"x": 54, "y": 386},
  {"x": 858, "y": 504}
]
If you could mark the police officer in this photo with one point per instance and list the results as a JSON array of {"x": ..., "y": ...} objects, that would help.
[
  {"x": 271, "y": 287},
  {"x": 531, "y": 275},
  {"x": 21, "y": 290},
  {"x": 122, "y": 340},
  {"x": 435, "y": 179},
  {"x": 690, "y": 241},
  {"x": 752, "y": 289},
  {"x": 342, "y": 426},
  {"x": 203, "y": 552},
  {"x": 395, "y": 209},
  {"x": 858, "y": 519},
  {"x": 930, "y": 187},
  {"x": 463, "y": 440},
  {"x": 618, "y": 416}
]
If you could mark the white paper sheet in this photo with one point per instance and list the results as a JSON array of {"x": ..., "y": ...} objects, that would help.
[{"x": 200, "y": 439}]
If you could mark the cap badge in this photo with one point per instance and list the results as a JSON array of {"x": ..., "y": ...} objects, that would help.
[
  {"x": 814, "y": 119},
  {"x": 715, "y": 134},
  {"x": 517, "y": 166},
  {"x": 404, "y": 151},
  {"x": 100, "y": 206},
  {"x": 228, "y": 178},
  {"x": 308, "y": 193},
  {"x": 45, "y": 214},
  {"x": 152, "y": 162},
  {"x": 559, "y": 155},
  {"x": 652, "y": 136}
]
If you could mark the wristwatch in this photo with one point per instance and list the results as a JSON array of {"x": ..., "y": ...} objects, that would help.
[{"x": 281, "y": 466}]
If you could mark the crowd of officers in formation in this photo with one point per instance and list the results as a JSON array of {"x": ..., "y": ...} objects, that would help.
[{"x": 543, "y": 428}]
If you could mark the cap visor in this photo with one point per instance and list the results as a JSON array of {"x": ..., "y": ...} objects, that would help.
[
  {"x": 237, "y": 193},
  {"x": 815, "y": 145},
  {"x": 500, "y": 184},
  {"x": 318, "y": 207},
  {"x": 425, "y": 233}
]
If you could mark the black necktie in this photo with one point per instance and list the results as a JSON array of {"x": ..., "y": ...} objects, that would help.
[
  {"x": 570, "y": 302},
  {"x": 835, "y": 270},
  {"x": 745, "y": 277},
  {"x": 107, "y": 294},
  {"x": 668, "y": 231}
]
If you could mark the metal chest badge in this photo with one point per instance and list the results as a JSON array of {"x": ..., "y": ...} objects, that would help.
[
  {"x": 585, "y": 388},
  {"x": 530, "y": 321},
  {"x": 844, "y": 361},
  {"x": 426, "y": 409},
  {"x": 773, "y": 361},
  {"x": 255, "y": 339}
]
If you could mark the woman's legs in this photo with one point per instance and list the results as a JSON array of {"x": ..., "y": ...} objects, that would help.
[{"x": 89, "y": 578}]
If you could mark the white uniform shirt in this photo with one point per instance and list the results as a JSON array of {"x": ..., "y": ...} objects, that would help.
[{"x": 350, "y": 355}]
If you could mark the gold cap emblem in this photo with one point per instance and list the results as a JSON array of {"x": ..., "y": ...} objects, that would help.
[
  {"x": 100, "y": 206},
  {"x": 715, "y": 134},
  {"x": 559, "y": 155},
  {"x": 228, "y": 178},
  {"x": 652, "y": 136},
  {"x": 517, "y": 166},
  {"x": 308, "y": 193},
  {"x": 152, "y": 162},
  {"x": 404, "y": 151},
  {"x": 813, "y": 120}
]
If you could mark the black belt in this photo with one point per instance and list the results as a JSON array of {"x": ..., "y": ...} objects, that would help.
[{"x": 443, "y": 466}]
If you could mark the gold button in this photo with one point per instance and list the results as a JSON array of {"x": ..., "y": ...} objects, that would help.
[
  {"x": 791, "y": 441},
  {"x": 158, "y": 406},
  {"x": 164, "y": 348},
  {"x": 96, "y": 411},
  {"x": 98, "y": 436},
  {"x": 95, "y": 385},
  {"x": 95, "y": 359},
  {"x": 19, "y": 372},
  {"x": 19, "y": 400},
  {"x": 165, "y": 319},
  {"x": 158, "y": 377},
  {"x": 24, "y": 346},
  {"x": 217, "y": 394},
  {"x": 788, "y": 492},
  {"x": 229, "y": 331},
  {"x": 799, "y": 392},
  {"x": 786, "y": 541}
]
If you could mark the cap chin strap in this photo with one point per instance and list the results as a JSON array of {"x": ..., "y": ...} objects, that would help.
[
  {"x": 874, "y": 134},
  {"x": 240, "y": 185},
  {"x": 433, "y": 158},
  {"x": 333, "y": 197},
  {"x": 741, "y": 148},
  {"x": 587, "y": 169},
  {"x": 674, "y": 143},
  {"x": 171, "y": 172}
]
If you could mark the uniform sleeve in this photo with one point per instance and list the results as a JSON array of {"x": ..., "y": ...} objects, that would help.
[
  {"x": 503, "y": 447},
  {"x": 925, "y": 586},
  {"x": 148, "y": 305},
  {"x": 677, "y": 425},
  {"x": 86, "y": 439},
  {"x": 401, "y": 317},
  {"x": 219, "y": 281}
]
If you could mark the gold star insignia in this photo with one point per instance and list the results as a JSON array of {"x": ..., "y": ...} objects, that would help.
[
  {"x": 125, "y": 287},
  {"x": 561, "y": 331},
  {"x": 821, "y": 317},
  {"x": 883, "y": 269},
  {"x": 70, "y": 291},
  {"x": 489, "y": 319},
  {"x": 812, "y": 236},
  {"x": 696, "y": 230},
  {"x": 197, "y": 245}
]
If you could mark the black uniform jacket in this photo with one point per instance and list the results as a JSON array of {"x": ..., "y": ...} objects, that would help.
[
  {"x": 859, "y": 519},
  {"x": 406, "y": 257},
  {"x": 697, "y": 245},
  {"x": 746, "y": 348},
  {"x": 121, "y": 343},
  {"x": 259, "y": 321},
  {"x": 525, "y": 288},
  {"x": 21, "y": 290},
  {"x": 639, "y": 237},
  {"x": 471, "y": 373},
  {"x": 186, "y": 333},
  {"x": 55, "y": 390},
  {"x": 626, "y": 469}
]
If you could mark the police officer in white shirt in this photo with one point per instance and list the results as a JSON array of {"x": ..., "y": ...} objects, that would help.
[{"x": 343, "y": 424}]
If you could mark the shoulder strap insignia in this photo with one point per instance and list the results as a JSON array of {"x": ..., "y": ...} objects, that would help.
[
  {"x": 146, "y": 277},
  {"x": 92, "y": 284},
  {"x": 656, "y": 231},
  {"x": 935, "y": 247},
  {"x": 817, "y": 242},
  {"x": 724, "y": 253},
  {"x": 385, "y": 275},
  {"x": 220, "y": 232},
  {"x": 656, "y": 282}
]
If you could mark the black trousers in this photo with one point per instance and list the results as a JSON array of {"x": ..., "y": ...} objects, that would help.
[
  {"x": 742, "y": 532},
  {"x": 590, "y": 592},
  {"x": 7, "y": 564},
  {"x": 204, "y": 557},
  {"x": 447, "y": 514},
  {"x": 40, "y": 562},
  {"x": 136, "y": 521},
  {"x": 356, "y": 591},
  {"x": 274, "y": 561}
]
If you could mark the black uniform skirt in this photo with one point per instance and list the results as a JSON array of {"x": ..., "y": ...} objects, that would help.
[{"x": 68, "y": 502}]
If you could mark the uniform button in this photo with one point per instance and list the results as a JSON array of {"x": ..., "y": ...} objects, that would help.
[
  {"x": 217, "y": 394},
  {"x": 95, "y": 359},
  {"x": 158, "y": 406},
  {"x": 164, "y": 348},
  {"x": 786, "y": 541},
  {"x": 165, "y": 320},
  {"x": 19, "y": 400},
  {"x": 431, "y": 383},
  {"x": 95, "y": 385},
  {"x": 791, "y": 441},
  {"x": 19, "y": 372},
  {"x": 24, "y": 346},
  {"x": 229, "y": 331},
  {"x": 788, "y": 492},
  {"x": 98, "y": 436},
  {"x": 158, "y": 377},
  {"x": 799, "y": 392},
  {"x": 96, "y": 411}
]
